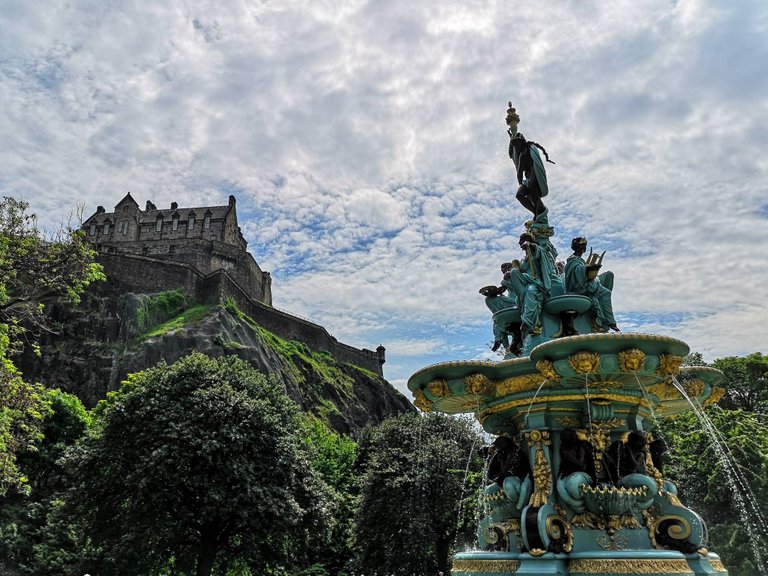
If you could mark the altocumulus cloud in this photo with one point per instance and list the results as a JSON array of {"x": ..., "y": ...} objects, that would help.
[{"x": 365, "y": 143}]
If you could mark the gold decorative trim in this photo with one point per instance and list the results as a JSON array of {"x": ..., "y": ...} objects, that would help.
[
  {"x": 665, "y": 390},
  {"x": 669, "y": 364},
  {"x": 678, "y": 531},
  {"x": 547, "y": 369},
  {"x": 717, "y": 565},
  {"x": 631, "y": 360},
  {"x": 485, "y": 566},
  {"x": 694, "y": 388},
  {"x": 421, "y": 402},
  {"x": 476, "y": 383},
  {"x": 638, "y": 400},
  {"x": 439, "y": 388},
  {"x": 559, "y": 529},
  {"x": 515, "y": 384},
  {"x": 542, "y": 471},
  {"x": 714, "y": 398},
  {"x": 626, "y": 566},
  {"x": 585, "y": 362}
]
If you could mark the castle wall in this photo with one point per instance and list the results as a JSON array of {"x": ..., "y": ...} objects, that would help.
[{"x": 143, "y": 273}]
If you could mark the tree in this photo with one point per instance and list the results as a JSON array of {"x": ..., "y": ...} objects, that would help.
[
  {"x": 723, "y": 475},
  {"x": 191, "y": 466},
  {"x": 35, "y": 272},
  {"x": 35, "y": 537},
  {"x": 333, "y": 456},
  {"x": 414, "y": 480},
  {"x": 746, "y": 382}
]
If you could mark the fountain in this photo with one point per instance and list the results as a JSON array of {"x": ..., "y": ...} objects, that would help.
[{"x": 578, "y": 484}]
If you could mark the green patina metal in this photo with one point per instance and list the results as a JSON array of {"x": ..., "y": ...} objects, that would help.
[{"x": 574, "y": 399}]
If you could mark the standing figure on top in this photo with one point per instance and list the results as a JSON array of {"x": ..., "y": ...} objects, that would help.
[
  {"x": 581, "y": 278},
  {"x": 531, "y": 175}
]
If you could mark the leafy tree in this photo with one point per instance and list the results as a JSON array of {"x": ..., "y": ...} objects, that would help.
[
  {"x": 725, "y": 480},
  {"x": 191, "y": 466},
  {"x": 34, "y": 273},
  {"x": 413, "y": 484},
  {"x": 35, "y": 537},
  {"x": 333, "y": 456},
  {"x": 746, "y": 382}
]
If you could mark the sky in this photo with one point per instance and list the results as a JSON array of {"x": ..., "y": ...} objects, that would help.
[{"x": 365, "y": 142}]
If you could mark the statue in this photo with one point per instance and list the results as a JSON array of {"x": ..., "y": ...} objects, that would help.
[
  {"x": 626, "y": 457},
  {"x": 581, "y": 278},
  {"x": 496, "y": 301},
  {"x": 533, "y": 280},
  {"x": 505, "y": 458},
  {"x": 658, "y": 449},
  {"x": 531, "y": 175},
  {"x": 576, "y": 455}
]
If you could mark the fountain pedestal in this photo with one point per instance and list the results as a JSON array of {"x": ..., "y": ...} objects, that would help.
[{"x": 573, "y": 408}]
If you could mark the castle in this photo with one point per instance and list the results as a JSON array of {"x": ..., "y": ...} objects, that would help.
[{"x": 202, "y": 250}]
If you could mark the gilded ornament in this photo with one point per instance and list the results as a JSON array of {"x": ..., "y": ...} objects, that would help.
[
  {"x": 542, "y": 471},
  {"x": 669, "y": 364},
  {"x": 559, "y": 530},
  {"x": 547, "y": 369},
  {"x": 694, "y": 388},
  {"x": 439, "y": 388},
  {"x": 585, "y": 362},
  {"x": 461, "y": 565},
  {"x": 680, "y": 530},
  {"x": 568, "y": 421},
  {"x": 717, "y": 565},
  {"x": 665, "y": 391},
  {"x": 626, "y": 566},
  {"x": 476, "y": 384},
  {"x": 516, "y": 384},
  {"x": 631, "y": 360},
  {"x": 421, "y": 402},
  {"x": 612, "y": 541},
  {"x": 714, "y": 398}
]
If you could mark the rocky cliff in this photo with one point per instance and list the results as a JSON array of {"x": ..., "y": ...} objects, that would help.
[{"x": 111, "y": 335}]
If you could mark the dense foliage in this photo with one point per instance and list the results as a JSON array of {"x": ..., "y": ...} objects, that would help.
[
  {"x": 417, "y": 474},
  {"x": 35, "y": 273},
  {"x": 191, "y": 466}
]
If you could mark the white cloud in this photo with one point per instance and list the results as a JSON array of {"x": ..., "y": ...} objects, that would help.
[{"x": 366, "y": 146}]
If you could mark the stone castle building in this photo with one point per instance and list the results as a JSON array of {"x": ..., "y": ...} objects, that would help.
[{"x": 203, "y": 251}]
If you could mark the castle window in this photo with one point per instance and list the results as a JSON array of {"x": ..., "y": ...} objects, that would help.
[
  {"x": 106, "y": 227},
  {"x": 191, "y": 222},
  {"x": 207, "y": 222},
  {"x": 171, "y": 250},
  {"x": 93, "y": 229},
  {"x": 145, "y": 250},
  {"x": 159, "y": 224},
  {"x": 175, "y": 222},
  {"x": 124, "y": 227}
]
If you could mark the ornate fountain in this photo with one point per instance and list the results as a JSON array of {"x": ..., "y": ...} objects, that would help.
[{"x": 578, "y": 483}]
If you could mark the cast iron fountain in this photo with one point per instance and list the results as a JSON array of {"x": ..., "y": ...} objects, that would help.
[{"x": 578, "y": 482}]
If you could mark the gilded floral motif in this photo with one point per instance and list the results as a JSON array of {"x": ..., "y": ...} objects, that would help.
[
  {"x": 631, "y": 360},
  {"x": 694, "y": 388},
  {"x": 421, "y": 402},
  {"x": 517, "y": 384},
  {"x": 585, "y": 362},
  {"x": 714, "y": 398},
  {"x": 476, "y": 384},
  {"x": 542, "y": 472}
]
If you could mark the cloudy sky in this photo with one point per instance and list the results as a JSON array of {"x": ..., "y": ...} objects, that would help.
[{"x": 366, "y": 145}]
